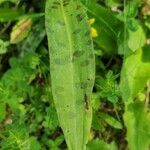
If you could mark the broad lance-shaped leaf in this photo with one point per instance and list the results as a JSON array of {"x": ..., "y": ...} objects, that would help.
[
  {"x": 134, "y": 76},
  {"x": 135, "y": 73},
  {"x": 72, "y": 68},
  {"x": 137, "y": 122}
]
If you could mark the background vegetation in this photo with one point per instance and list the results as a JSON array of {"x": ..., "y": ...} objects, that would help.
[{"x": 121, "y": 34}]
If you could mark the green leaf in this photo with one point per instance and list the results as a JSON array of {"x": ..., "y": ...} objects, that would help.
[
  {"x": 134, "y": 76},
  {"x": 106, "y": 24},
  {"x": 111, "y": 120},
  {"x": 7, "y": 14},
  {"x": 137, "y": 122},
  {"x": 101, "y": 145},
  {"x": 3, "y": 46},
  {"x": 131, "y": 9},
  {"x": 109, "y": 23},
  {"x": 34, "y": 37},
  {"x": 108, "y": 87},
  {"x": 135, "y": 73},
  {"x": 72, "y": 67},
  {"x": 104, "y": 41},
  {"x": 20, "y": 30},
  {"x": 51, "y": 120},
  {"x": 98, "y": 123},
  {"x": 131, "y": 39},
  {"x": 17, "y": 137},
  {"x": 54, "y": 144},
  {"x": 136, "y": 39},
  {"x": 13, "y": 1}
]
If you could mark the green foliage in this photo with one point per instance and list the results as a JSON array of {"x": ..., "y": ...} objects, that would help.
[
  {"x": 29, "y": 117},
  {"x": 13, "y": 1},
  {"x": 97, "y": 144},
  {"x": 110, "y": 120},
  {"x": 54, "y": 144},
  {"x": 34, "y": 38},
  {"x": 51, "y": 120},
  {"x": 7, "y": 14},
  {"x": 17, "y": 138},
  {"x": 14, "y": 84},
  {"x": 108, "y": 87},
  {"x": 3, "y": 46},
  {"x": 106, "y": 24},
  {"x": 133, "y": 33},
  {"x": 135, "y": 74},
  {"x": 137, "y": 123}
]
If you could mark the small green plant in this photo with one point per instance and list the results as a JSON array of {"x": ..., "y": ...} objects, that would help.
[{"x": 51, "y": 95}]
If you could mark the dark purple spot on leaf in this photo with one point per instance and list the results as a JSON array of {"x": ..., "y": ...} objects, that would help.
[
  {"x": 59, "y": 90},
  {"x": 56, "y": 3},
  {"x": 82, "y": 85},
  {"x": 62, "y": 61},
  {"x": 86, "y": 101},
  {"x": 78, "y": 53},
  {"x": 61, "y": 44},
  {"x": 65, "y": 4},
  {"x": 61, "y": 23},
  {"x": 76, "y": 31},
  {"x": 91, "y": 56},
  {"x": 54, "y": 7},
  {"x": 85, "y": 63}
]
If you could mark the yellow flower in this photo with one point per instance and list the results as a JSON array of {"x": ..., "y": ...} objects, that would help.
[
  {"x": 94, "y": 33},
  {"x": 91, "y": 21}
]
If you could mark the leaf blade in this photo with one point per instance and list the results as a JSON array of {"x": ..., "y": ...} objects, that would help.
[{"x": 72, "y": 69}]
